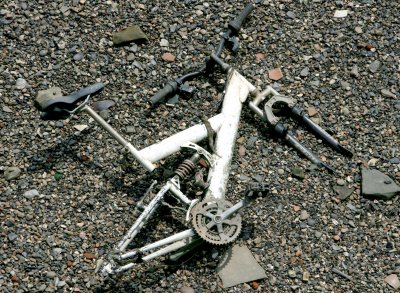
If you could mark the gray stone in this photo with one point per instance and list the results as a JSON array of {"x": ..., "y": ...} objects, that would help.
[
  {"x": 105, "y": 114},
  {"x": 130, "y": 129},
  {"x": 375, "y": 184},
  {"x": 341, "y": 182},
  {"x": 51, "y": 274},
  {"x": 375, "y": 66},
  {"x": 42, "y": 287},
  {"x": 358, "y": 30},
  {"x": 345, "y": 85},
  {"x": 78, "y": 56},
  {"x": 298, "y": 173},
  {"x": 318, "y": 234},
  {"x": 345, "y": 111},
  {"x": 281, "y": 171},
  {"x": 130, "y": 57},
  {"x": 290, "y": 14},
  {"x": 388, "y": 94},
  {"x": 20, "y": 83},
  {"x": 132, "y": 33},
  {"x": 354, "y": 71},
  {"x": 7, "y": 109},
  {"x": 43, "y": 52},
  {"x": 164, "y": 43},
  {"x": 186, "y": 289},
  {"x": 11, "y": 173},
  {"x": 173, "y": 27},
  {"x": 31, "y": 193},
  {"x": 305, "y": 72},
  {"x": 12, "y": 236},
  {"x": 394, "y": 161},
  {"x": 304, "y": 215},
  {"x": 292, "y": 273},
  {"x": 343, "y": 191}
]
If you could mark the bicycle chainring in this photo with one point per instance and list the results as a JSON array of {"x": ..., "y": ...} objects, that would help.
[{"x": 209, "y": 226}]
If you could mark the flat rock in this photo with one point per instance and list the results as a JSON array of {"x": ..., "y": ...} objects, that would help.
[
  {"x": 305, "y": 72},
  {"x": 375, "y": 184},
  {"x": 388, "y": 94},
  {"x": 354, "y": 71},
  {"x": 11, "y": 173},
  {"x": 186, "y": 289},
  {"x": 130, "y": 34},
  {"x": 12, "y": 236},
  {"x": 46, "y": 95},
  {"x": 375, "y": 66},
  {"x": 31, "y": 193},
  {"x": 239, "y": 266},
  {"x": 393, "y": 281},
  {"x": 340, "y": 13},
  {"x": 304, "y": 215},
  {"x": 343, "y": 191}
]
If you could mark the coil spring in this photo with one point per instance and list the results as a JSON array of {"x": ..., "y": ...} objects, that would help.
[{"x": 185, "y": 169}]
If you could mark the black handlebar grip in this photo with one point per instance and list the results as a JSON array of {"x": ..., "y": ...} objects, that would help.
[
  {"x": 170, "y": 88},
  {"x": 236, "y": 24}
]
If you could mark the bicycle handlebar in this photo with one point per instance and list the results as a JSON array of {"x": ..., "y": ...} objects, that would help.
[
  {"x": 172, "y": 86},
  {"x": 236, "y": 24}
]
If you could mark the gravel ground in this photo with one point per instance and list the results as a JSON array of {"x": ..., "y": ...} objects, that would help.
[{"x": 74, "y": 196}]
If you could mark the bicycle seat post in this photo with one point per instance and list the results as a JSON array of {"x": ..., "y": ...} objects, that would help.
[{"x": 143, "y": 161}]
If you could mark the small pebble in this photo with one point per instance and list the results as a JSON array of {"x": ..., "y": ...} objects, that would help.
[
  {"x": 78, "y": 57},
  {"x": 20, "y": 83},
  {"x": 11, "y": 173},
  {"x": 358, "y": 30},
  {"x": 341, "y": 182},
  {"x": 375, "y": 66},
  {"x": 298, "y": 173},
  {"x": 304, "y": 215},
  {"x": 306, "y": 276},
  {"x": 275, "y": 74},
  {"x": 388, "y": 94},
  {"x": 51, "y": 274},
  {"x": 186, "y": 289},
  {"x": 292, "y": 273},
  {"x": 164, "y": 43},
  {"x": 354, "y": 71},
  {"x": 31, "y": 193},
  {"x": 12, "y": 236},
  {"x": 304, "y": 72}
]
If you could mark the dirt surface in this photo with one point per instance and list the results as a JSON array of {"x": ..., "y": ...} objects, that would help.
[{"x": 74, "y": 191}]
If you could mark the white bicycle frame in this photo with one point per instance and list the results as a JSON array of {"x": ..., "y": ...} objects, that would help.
[{"x": 225, "y": 124}]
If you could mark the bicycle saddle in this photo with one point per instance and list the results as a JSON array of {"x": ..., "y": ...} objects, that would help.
[{"x": 58, "y": 107}]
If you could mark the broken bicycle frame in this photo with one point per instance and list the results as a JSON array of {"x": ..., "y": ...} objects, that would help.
[{"x": 214, "y": 219}]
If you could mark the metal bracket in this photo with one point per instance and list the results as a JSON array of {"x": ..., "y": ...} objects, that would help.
[
  {"x": 267, "y": 114},
  {"x": 200, "y": 151}
]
